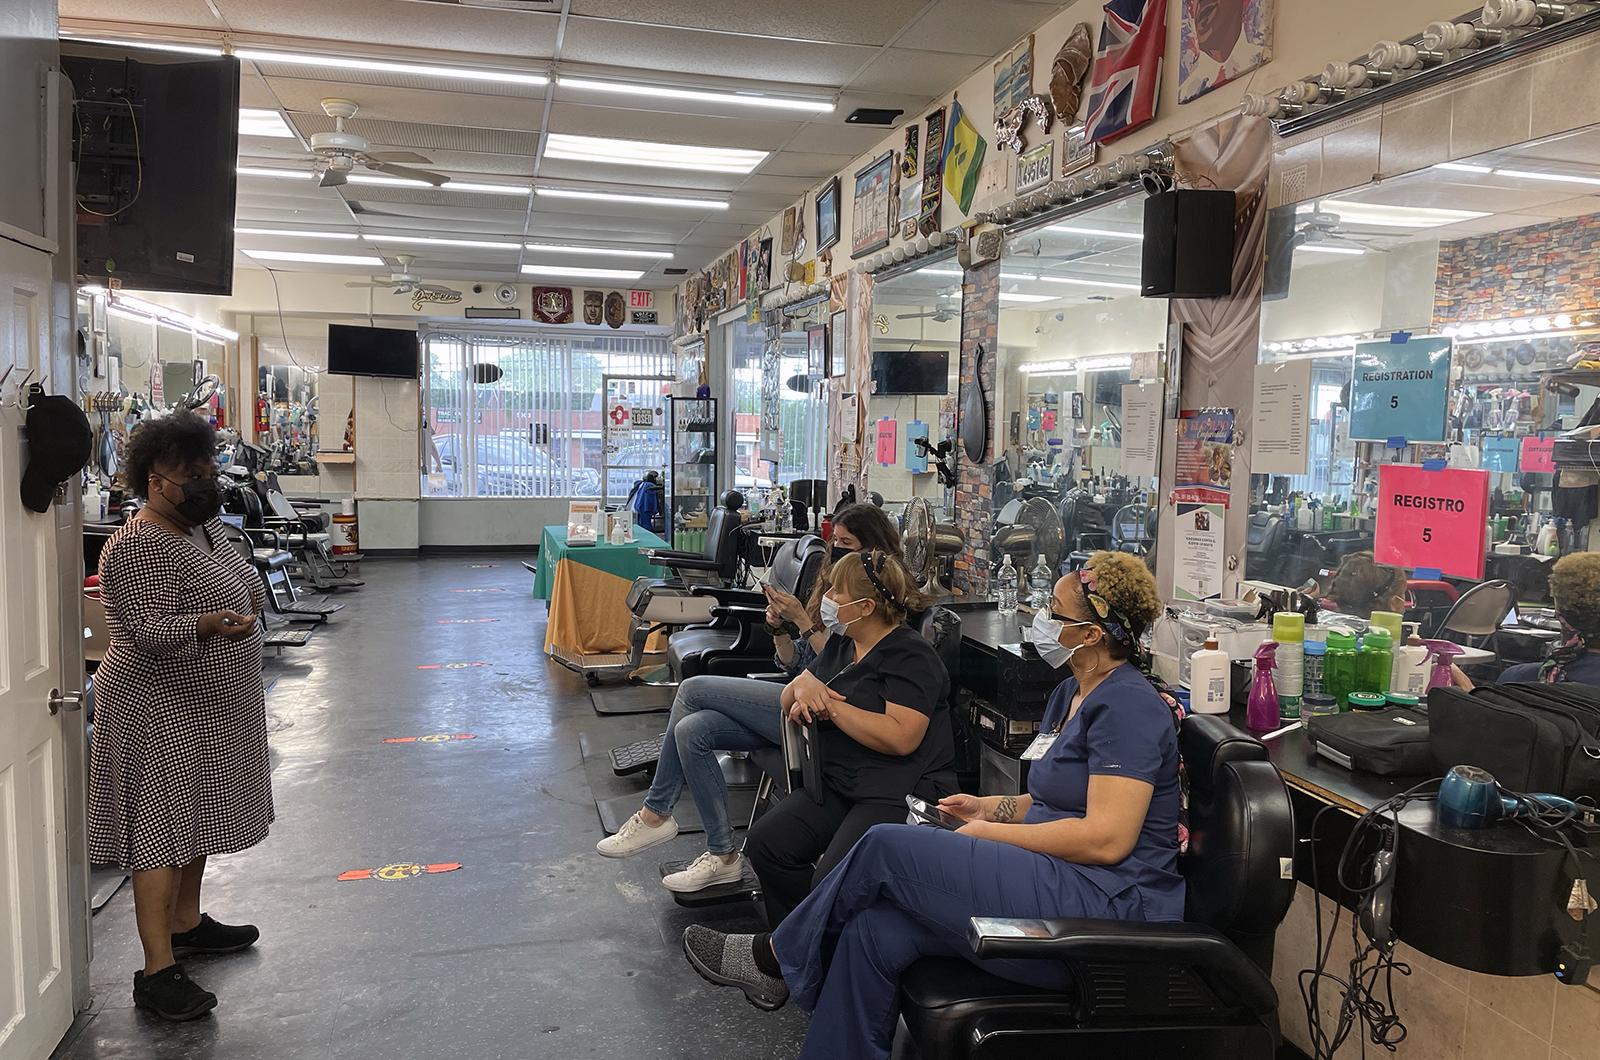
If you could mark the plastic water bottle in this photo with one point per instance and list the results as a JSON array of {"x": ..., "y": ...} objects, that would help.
[
  {"x": 1039, "y": 586},
  {"x": 1007, "y": 588}
]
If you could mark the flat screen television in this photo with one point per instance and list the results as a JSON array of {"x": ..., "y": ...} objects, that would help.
[
  {"x": 156, "y": 142},
  {"x": 911, "y": 372},
  {"x": 387, "y": 353}
]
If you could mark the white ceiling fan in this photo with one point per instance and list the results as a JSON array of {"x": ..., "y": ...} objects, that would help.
[
  {"x": 338, "y": 152},
  {"x": 404, "y": 281}
]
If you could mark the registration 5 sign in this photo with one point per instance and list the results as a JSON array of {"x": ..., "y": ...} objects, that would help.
[
  {"x": 1432, "y": 519},
  {"x": 1399, "y": 390}
]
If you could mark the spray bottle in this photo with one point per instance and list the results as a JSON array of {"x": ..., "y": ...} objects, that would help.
[
  {"x": 1261, "y": 715},
  {"x": 1443, "y": 653}
]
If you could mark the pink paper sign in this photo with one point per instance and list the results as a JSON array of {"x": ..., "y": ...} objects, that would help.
[
  {"x": 1432, "y": 520},
  {"x": 888, "y": 430},
  {"x": 1538, "y": 454}
]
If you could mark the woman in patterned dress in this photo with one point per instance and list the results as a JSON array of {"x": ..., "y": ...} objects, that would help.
[{"x": 179, "y": 768}]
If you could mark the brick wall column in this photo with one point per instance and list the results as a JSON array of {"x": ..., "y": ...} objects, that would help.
[{"x": 980, "y": 326}]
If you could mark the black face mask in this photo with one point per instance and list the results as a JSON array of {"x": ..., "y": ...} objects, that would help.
[
  {"x": 202, "y": 500},
  {"x": 840, "y": 553}
]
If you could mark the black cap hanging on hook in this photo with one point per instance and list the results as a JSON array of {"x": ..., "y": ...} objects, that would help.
[{"x": 59, "y": 442}]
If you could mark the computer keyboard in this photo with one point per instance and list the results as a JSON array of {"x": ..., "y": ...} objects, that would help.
[{"x": 636, "y": 757}]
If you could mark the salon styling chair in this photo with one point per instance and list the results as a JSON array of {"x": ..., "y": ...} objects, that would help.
[
  {"x": 1199, "y": 989},
  {"x": 665, "y": 603}
]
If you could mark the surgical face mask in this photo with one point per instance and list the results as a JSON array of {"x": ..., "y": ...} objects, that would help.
[
  {"x": 202, "y": 500},
  {"x": 830, "y": 615},
  {"x": 1047, "y": 639}
]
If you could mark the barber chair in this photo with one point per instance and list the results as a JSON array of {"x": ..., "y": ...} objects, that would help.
[
  {"x": 667, "y": 603},
  {"x": 1431, "y": 600},
  {"x": 270, "y": 562},
  {"x": 1266, "y": 541},
  {"x": 784, "y": 768},
  {"x": 1133, "y": 529},
  {"x": 1198, "y": 989},
  {"x": 300, "y": 531}
]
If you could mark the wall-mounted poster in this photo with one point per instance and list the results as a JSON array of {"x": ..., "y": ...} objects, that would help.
[
  {"x": 828, "y": 215},
  {"x": 837, "y": 334},
  {"x": 816, "y": 350},
  {"x": 873, "y": 207},
  {"x": 1220, "y": 39},
  {"x": 764, "y": 265},
  {"x": 932, "y": 166},
  {"x": 1126, "y": 82},
  {"x": 910, "y": 205},
  {"x": 786, "y": 243},
  {"x": 1035, "y": 166},
  {"x": 1013, "y": 76},
  {"x": 1077, "y": 150}
]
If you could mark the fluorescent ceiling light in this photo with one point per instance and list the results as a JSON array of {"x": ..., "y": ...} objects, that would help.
[
  {"x": 1023, "y": 277},
  {"x": 151, "y": 45},
  {"x": 1382, "y": 215},
  {"x": 303, "y": 175},
  {"x": 306, "y": 176},
  {"x": 254, "y": 122},
  {"x": 1325, "y": 248},
  {"x": 345, "y": 62},
  {"x": 1087, "y": 364},
  {"x": 608, "y": 151},
  {"x": 1005, "y": 297},
  {"x": 605, "y": 252},
  {"x": 939, "y": 272},
  {"x": 745, "y": 99},
  {"x": 643, "y": 200},
  {"x": 589, "y": 274},
  {"x": 1132, "y": 237},
  {"x": 1089, "y": 283},
  {"x": 128, "y": 306},
  {"x": 316, "y": 259},
  {"x": 1560, "y": 178},
  {"x": 1463, "y": 167},
  {"x": 294, "y": 233},
  {"x": 435, "y": 241}
]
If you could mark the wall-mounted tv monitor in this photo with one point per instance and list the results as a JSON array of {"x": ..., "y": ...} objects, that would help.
[
  {"x": 156, "y": 142},
  {"x": 911, "y": 372},
  {"x": 387, "y": 353}
]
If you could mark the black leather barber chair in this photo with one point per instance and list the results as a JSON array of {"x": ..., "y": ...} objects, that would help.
[
  {"x": 1266, "y": 541},
  {"x": 1133, "y": 529},
  {"x": 1199, "y": 989},
  {"x": 666, "y": 603},
  {"x": 717, "y": 562},
  {"x": 735, "y": 643}
]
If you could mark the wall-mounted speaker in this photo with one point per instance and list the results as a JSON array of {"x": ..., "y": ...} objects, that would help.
[{"x": 1188, "y": 244}]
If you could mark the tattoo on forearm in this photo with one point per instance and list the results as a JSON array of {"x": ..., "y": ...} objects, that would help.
[{"x": 1006, "y": 810}]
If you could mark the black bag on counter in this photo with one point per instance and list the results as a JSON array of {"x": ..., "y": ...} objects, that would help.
[
  {"x": 1391, "y": 743},
  {"x": 1530, "y": 737}
]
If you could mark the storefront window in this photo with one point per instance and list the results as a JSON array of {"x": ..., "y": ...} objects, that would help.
[
  {"x": 746, "y": 343},
  {"x": 1440, "y": 327}
]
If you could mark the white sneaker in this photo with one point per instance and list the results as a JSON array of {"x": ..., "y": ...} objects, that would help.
[
  {"x": 707, "y": 870},
  {"x": 636, "y": 836}
]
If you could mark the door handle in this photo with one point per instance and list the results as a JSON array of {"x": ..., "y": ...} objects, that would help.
[{"x": 60, "y": 701}]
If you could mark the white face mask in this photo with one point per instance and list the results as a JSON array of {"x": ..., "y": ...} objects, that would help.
[
  {"x": 1047, "y": 639},
  {"x": 830, "y": 615}
]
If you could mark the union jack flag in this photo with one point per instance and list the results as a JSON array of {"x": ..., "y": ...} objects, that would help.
[{"x": 1127, "y": 68}]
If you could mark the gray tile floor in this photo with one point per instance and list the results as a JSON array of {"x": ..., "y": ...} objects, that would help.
[{"x": 536, "y": 947}]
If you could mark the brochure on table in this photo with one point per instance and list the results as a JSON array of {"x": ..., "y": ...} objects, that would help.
[{"x": 583, "y": 522}]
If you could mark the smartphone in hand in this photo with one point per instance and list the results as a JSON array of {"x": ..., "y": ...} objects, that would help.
[{"x": 932, "y": 814}]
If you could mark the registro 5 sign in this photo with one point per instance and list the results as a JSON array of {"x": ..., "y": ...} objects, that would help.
[{"x": 1432, "y": 519}]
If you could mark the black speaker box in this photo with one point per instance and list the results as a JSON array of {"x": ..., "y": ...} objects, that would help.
[{"x": 1188, "y": 244}]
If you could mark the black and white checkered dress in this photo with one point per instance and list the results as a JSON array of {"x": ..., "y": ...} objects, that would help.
[{"x": 179, "y": 766}]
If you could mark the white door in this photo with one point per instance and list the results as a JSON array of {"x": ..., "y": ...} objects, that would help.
[{"x": 35, "y": 984}]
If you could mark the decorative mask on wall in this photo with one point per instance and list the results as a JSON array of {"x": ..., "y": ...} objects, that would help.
[
  {"x": 616, "y": 309},
  {"x": 593, "y": 307},
  {"x": 1068, "y": 70}
]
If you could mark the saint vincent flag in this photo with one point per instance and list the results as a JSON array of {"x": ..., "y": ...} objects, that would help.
[{"x": 963, "y": 157}]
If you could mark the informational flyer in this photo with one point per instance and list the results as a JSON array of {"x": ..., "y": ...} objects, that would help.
[
  {"x": 1141, "y": 429},
  {"x": 1278, "y": 445},
  {"x": 1205, "y": 457},
  {"x": 583, "y": 522},
  {"x": 1432, "y": 519},
  {"x": 1199, "y": 569},
  {"x": 1501, "y": 454},
  {"x": 916, "y": 459},
  {"x": 887, "y": 431},
  {"x": 1399, "y": 390},
  {"x": 1539, "y": 454}
]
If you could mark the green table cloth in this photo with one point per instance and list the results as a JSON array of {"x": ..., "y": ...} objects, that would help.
[{"x": 625, "y": 561}]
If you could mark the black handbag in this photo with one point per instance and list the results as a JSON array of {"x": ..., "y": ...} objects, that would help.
[
  {"x": 1530, "y": 737},
  {"x": 1391, "y": 743}
]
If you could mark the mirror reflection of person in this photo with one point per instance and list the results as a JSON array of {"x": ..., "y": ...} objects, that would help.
[
  {"x": 1218, "y": 24},
  {"x": 1362, "y": 585},
  {"x": 1575, "y": 590}
]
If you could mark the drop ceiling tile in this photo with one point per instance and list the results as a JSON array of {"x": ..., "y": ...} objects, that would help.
[
  {"x": 983, "y": 30},
  {"x": 1575, "y": 207},
  {"x": 692, "y": 51},
  {"x": 841, "y": 138},
  {"x": 377, "y": 23},
  {"x": 785, "y": 188},
  {"x": 633, "y": 123},
  {"x": 148, "y": 12},
  {"x": 838, "y": 21},
  {"x": 910, "y": 72},
  {"x": 418, "y": 105},
  {"x": 804, "y": 164}
]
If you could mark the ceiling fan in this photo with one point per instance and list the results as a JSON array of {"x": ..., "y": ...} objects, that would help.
[
  {"x": 939, "y": 315},
  {"x": 338, "y": 152},
  {"x": 1323, "y": 228},
  {"x": 405, "y": 281}
]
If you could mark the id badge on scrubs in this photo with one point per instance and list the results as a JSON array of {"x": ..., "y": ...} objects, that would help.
[{"x": 1041, "y": 743}]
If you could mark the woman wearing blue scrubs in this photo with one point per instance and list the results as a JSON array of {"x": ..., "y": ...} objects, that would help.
[{"x": 1096, "y": 836}]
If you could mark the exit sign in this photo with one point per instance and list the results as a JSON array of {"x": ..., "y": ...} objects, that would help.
[{"x": 641, "y": 299}]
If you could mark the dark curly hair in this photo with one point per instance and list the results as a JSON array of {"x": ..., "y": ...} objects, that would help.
[{"x": 178, "y": 438}]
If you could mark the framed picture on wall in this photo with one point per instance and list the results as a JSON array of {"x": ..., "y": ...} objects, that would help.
[
  {"x": 1077, "y": 152},
  {"x": 873, "y": 209},
  {"x": 816, "y": 350},
  {"x": 828, "y": 215},
  {"x": 838, "y": 350}
]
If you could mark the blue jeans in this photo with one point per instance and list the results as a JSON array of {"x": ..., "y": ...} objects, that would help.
[{"x": 712, "y": 714}]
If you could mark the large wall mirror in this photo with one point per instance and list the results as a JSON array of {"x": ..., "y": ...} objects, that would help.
[
  {"x": 1078, "y": 402},
  {"x": 1442, "y": 322},
  {"x": 916, "y": 370}
]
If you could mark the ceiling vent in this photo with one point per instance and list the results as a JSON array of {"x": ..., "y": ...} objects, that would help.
[{"x": 498, "y": 5}]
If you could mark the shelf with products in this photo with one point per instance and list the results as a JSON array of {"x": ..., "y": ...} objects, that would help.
[{"x": 693, "y": 488}]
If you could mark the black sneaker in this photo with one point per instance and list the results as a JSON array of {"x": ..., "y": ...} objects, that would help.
[
  {"x": 727, "y": 960},
  {"x": 208, "y": 936},
  {"x": 171, "y": 994}
]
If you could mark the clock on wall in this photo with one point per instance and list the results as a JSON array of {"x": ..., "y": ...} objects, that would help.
[{"x": 505, "y": 294}]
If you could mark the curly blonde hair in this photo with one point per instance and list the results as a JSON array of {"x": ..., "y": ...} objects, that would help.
[
  {"x": 1124, "y": 582},
  {"x": 1575, "y": 588}
]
